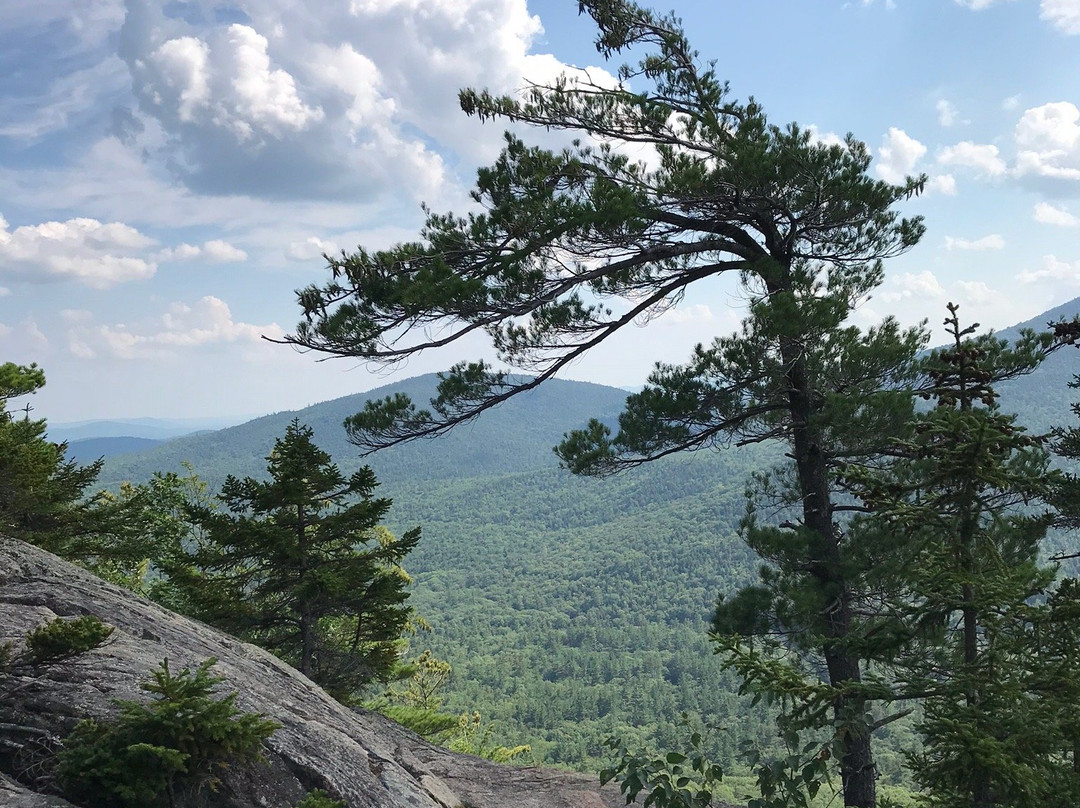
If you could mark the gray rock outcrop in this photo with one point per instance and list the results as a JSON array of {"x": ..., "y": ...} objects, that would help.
[{"x": 362, "y": 758}]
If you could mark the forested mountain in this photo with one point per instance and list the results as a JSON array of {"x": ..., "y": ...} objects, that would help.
[
  {"x": 1043, "y": 399},
  {"x": 514, "y": 437},
  {"x": 88, "y": 450},
  {"x": 569, "y": 607}
]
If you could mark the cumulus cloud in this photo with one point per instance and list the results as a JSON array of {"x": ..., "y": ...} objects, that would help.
[
  {"x": 94, "y": 253},
  {"x": 1062, "y": 14},
  {"x": 912, "y": 285},
  {"x": 898, "y": 155},
  {"x": 982, "y": 157},
  {"x": 991, "y": 242},
  {"x": 1048, "y": 214},
  {"x": 942, "y": 184},
  {"x": 230, "y": 84},
  {"x": 216, "y": 251},
  {"x": 977, "y": 5},
  {"x": 1053, "y": 269},
  {"x": 206, "y": 322},
  {"x": 342, "y": 100},
  {"x": 1048, "y": 142}
]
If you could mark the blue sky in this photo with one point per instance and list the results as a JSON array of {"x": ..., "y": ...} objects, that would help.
[{"x": 171, "y": 172}]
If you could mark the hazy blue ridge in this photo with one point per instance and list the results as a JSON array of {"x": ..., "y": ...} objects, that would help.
[{"x": 88, "y": 450}]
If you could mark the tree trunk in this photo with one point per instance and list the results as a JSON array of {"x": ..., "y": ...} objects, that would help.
[
  {"x": 307, "y": 622},
  {"x": 857, "y": 770}
]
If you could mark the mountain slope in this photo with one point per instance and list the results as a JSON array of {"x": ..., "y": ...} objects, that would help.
[
  {"x": 514, "y": 437},
  {"x": 88, "y": 450},
  {"x": 1043, "y": 399}
]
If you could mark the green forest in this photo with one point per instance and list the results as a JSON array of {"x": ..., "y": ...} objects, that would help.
[{"x": 809, "y": 563}]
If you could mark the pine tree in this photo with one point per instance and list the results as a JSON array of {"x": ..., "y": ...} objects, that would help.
[
  {"x": 562, "y": 233},
  {"x": 296, "y": 564}
]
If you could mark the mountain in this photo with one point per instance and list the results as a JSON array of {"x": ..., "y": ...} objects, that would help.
[
  {"x": 88, "y": 450},
  {"x": 1044, "y": 398},
  {"x": 151, "y": 428},
  {"x": 515, "y": 437},
  {"x": 570, "y": 608}
]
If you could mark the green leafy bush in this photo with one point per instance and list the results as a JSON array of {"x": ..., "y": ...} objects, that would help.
[
  {"x": 669, "y": 780},
  {"x": 151, "y": 752}
]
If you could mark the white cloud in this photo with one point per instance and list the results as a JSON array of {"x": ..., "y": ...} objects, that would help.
[
  {"x": 947, "y": 113},
  {"x": 216, "y": 250},
  {"x": 824, "y": 138},
  {"x": 209, "y": 321},
  {"x": 1062, "y": 14},
  {"x": 4, "y": 291},
  {"x": 345, "y": 101},
  {"x": 991, "y": 242},
  {"x": 912, "y": 285},
  {"x": 1053, "y": 269},
  {"x": 230, "y": 84},
  {"x": 310, "y": 248},
  {"x": 1011, "y": 103},
  {"x": 67, "y": 99},
  {"x": 1048, "y": 140},
  {"x": 977, "y": 5},
  {"x": 982, "y": 157},
  {"x": 977, "y": 293},
  {"x": 898, "y": 155},
  {"x": 86, "y": 250},
  {"x": 942, "y": 184},
  {"x": 1048, "y": 214}
]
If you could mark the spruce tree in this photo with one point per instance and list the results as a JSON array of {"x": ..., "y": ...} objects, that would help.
[
  {"x": 296, "y": 564},
  {"x": 965, "y": 601},
  {"x": 562, "y": 233},
  {"x": 41, "y": 491}
]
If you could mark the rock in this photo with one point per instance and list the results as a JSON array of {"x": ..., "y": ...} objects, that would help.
[{"x": 360, "y": 757}]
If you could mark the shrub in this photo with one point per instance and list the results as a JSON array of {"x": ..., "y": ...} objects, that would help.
[
  {"x": 319, "y": 799},
  {"x": 151, "y": 752}
]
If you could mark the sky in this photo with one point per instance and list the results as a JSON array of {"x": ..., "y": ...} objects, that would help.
[{"x": 171, "y": 172}]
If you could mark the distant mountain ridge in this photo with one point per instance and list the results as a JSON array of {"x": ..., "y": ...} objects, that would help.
[
  {"x": 88, "y": 450},
  {"x": 514, "y": 437},
  {"x": 151, "y": 428}
]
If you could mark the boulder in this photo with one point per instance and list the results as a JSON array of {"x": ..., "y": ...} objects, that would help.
[{"x": 359, "y": 757}]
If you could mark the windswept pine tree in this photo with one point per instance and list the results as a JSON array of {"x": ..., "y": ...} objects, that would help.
[{"x": 572, "y": 246}]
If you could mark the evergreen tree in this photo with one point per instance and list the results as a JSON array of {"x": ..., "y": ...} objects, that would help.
[
  {"x": 973, "y": 634},
  {"x": 41, "y": 492},
  {"x": 297, "y": 565},
  {"x": 562, "y": 233}
]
